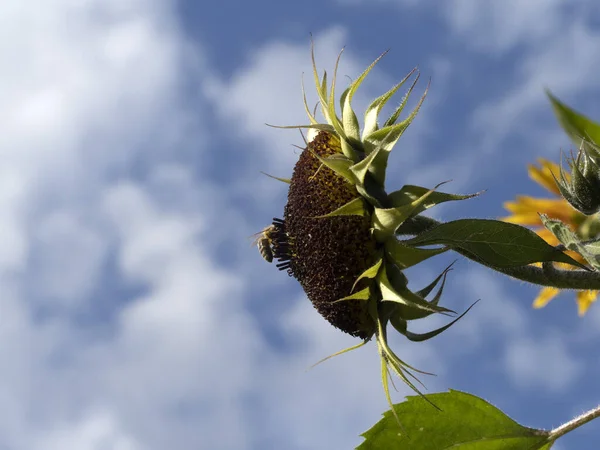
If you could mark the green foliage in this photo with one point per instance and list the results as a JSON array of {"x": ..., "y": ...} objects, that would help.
[
  {"x": 492, "y": 242},
  {"x": 589, "y": 250},
  {"x": 582, "y": 191},
  {"x": 405, "y": 256},
  {"x": 463, "y": 421},
  {"x": 576, "y": 125},
  {"x": 410, "y": 193}
]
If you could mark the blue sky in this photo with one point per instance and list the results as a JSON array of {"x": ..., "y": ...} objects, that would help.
[{"x": 135, "y": 314}]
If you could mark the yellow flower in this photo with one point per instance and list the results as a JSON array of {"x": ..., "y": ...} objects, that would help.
[{"x": 525, "y": 211}]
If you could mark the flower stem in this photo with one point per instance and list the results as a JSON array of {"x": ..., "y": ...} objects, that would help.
[
  {"x": 575, "y": 423},
  {"x": 546, "y": 276}
]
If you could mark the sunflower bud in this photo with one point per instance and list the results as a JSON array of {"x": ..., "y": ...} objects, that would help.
[{"x": 582, "y": 188}]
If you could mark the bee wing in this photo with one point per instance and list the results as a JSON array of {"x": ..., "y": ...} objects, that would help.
[{"x": 256, "y": 237}]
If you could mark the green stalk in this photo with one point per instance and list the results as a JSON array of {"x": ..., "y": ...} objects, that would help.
[{"x": 548, "y": 275}]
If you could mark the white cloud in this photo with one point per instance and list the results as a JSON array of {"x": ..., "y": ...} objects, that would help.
[
  {"x": 566, "y": 63},
  {"x": 267, "y": 90},
  {"x": 174, "y": 363},
  {"x": 13, "y": 243},
  {"x": 542, "y": 364},
  {"x": 96, "y": 431},
  {"x": 340, "y": 394},
  {"x": 542, "y": 361},
  {"x": 499, "y": 26},
  {"x": 187, "y": 340},
  {"x": 88, "y": 90},
  {"x": 490, "y": 26},
  {"x": 63, "y": 244},
  {"x": 497, "y": 312}
]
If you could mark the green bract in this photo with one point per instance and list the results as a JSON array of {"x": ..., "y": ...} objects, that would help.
[{"x": 582, "y": 189}]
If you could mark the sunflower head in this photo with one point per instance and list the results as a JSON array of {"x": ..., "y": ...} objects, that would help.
[{"x": 338, "y": 232}]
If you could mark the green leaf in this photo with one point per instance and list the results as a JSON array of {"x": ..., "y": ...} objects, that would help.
[
  {"x": 388, "y": 220},
  {"x": 316, "y": 126},
  {"x": 393, "y": 286},
  {"x": 410, "y": 193},
  {"x": 332, "y": 117},
  {"x": 427, "y": 289},
  {"x": 283, "y": 180},
  {"x": 463, "y": 422},
  {"x": 414, "y": 314},
  {"x": 339, "y": 164},
  {"x": 364, "y": 294},
  {"x": 371, "y": 191},
  {"x": 349, "y": 119},
  {"x": 589, "y": 250},
  {"x": 396, "y": 114},
  {"x": 361, "y": 168},
  {"x": 401, "y": 326},
  {"x": 321, "y": 85},
  {"x": 371, "y": 272},
  {"x": 576, "y": 125},
  {"x": 373, "y": 110},
  {"x": 405, "y": 256},
  {"x": 310, "y": 115},
  {"x": 354, "y": 207},
  {"x": 493, "y": 242},
  {"x": 387, "y": 136}
]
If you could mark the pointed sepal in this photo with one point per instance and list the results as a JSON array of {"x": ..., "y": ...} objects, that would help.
[
  {"x": 283, "y": 180},
  {"x": 361, "y": 168},
  {"x": 405, "y": 256},
  {"x": 410, "y": 193},
  {"x": 340, "y": 164},
  {"x": 363, "y": 294},
  {"x": 370, "y": 273},
  {"x": 401, "y": 326},
  {"x": 341, "y": 352},
  {"x": 589, "y": 250},
  {"x": 354, "y": 207},
  {"x": 387, "y": 220},
  {"x": 374, "y": 109},
  {"x": 349, "y": 119},
  {"x": 387, "y": 138},
  {"x": 393, "y": 286},
  {"x": 414, "y": 314}
]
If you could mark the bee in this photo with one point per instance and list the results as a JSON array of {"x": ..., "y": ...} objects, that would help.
[{"x": 264, "y": 241}]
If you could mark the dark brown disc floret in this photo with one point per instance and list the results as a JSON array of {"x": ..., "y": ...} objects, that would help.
[{"x": 326, "y": 255}]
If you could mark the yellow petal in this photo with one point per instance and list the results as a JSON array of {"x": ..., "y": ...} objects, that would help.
[
  {"x": 543, "y": 175},
  {"x": 544, "y": 297},
  {"x": 584, "y": 300},
  {"x": 547, "y": 235},
  {"x": 531, "y": 219},
  {"x": 526, "y": 211},
  {"x": 577, "y": 257}
]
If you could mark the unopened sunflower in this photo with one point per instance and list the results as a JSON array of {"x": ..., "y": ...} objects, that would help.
[
  {"x": 338, "y": 232},
  {"x": 526, "y": 211}
]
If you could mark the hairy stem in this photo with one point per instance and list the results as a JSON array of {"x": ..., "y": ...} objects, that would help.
[
  {"x": 548, "y": 275},
  {"x": 575, "y": 423}
]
